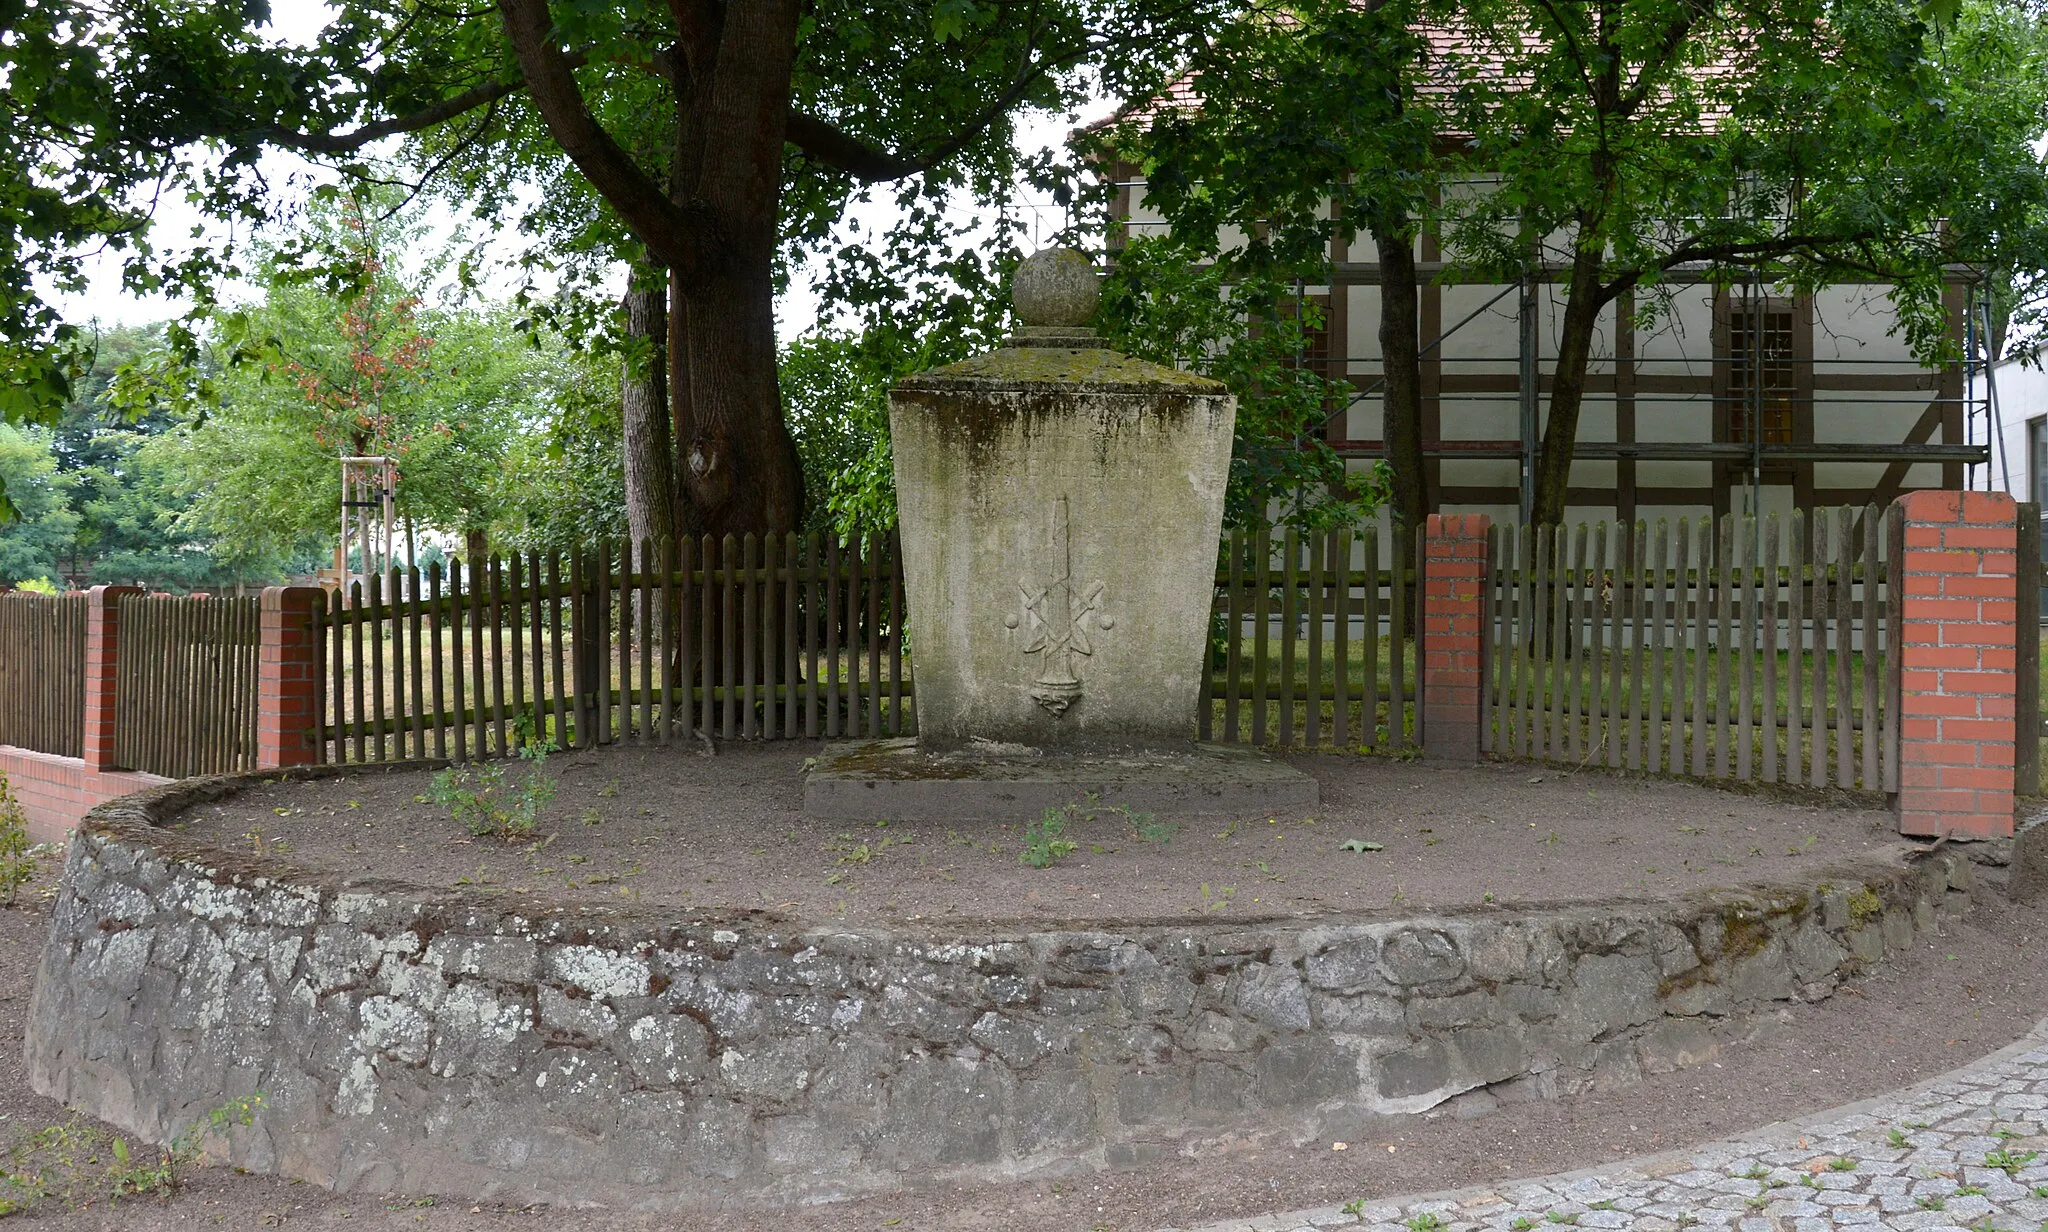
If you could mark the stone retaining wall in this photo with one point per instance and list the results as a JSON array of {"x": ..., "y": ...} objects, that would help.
[{"x": 428, "y": 1041}]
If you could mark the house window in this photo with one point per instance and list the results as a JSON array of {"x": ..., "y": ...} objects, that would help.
[
  {"x": 1315, "y": 335},
  {"x": 1762, "y": 377},
  {"x": 2037, "y": 459}
]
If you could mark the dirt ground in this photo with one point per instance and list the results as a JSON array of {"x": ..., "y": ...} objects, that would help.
[{"x": 672, "y": 827}]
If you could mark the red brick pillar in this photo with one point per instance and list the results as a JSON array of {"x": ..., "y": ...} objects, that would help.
[
  {"x": 102, "y": 665},
  {"x": 287, "y": 677},
  {"x": 1453, "y": 607},
  {"x": 1956, "y": 657}
]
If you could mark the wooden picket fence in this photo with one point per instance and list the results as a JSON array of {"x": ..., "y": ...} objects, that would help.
[
  {"x": 1755, "y": 650},
  {"x": 798, "y": 637},
  {"x": 754, "y": 638},
  {"x": 42, "y": 672},
  {"x": 1313, "y": 642},
  {"x": 185, "y": 685}
]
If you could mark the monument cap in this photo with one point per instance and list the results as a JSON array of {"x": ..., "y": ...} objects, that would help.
[{"x": 1056, "y": 294}]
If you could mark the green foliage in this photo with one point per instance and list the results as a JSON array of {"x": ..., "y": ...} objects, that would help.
[
  {"x": 482, "y": 798},
  {"x": 1045, "y": 843},
  {"x": 33, "y": 543},
  {"x": 121, "y": 519},
  {"x": 1812, "y": 140},
  {"x": 836, "y": 401},
  {"x": 494, "y": 431},
  {"x": 1249, "y": 330},
  {"x": 17, "y": 865}
]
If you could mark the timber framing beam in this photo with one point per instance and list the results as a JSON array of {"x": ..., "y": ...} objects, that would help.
[
  {"x": 1448, "y": 274},
  {"x": 1691, "y": 451}
]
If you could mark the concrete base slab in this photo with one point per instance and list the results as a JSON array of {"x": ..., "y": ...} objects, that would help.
[{"x": 896, "y": 780}]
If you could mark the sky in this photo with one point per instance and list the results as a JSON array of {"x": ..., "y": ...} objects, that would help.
[{"x": 178, "y": 225}]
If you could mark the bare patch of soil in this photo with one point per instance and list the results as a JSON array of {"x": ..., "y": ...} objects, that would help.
[{"x": 672, "y": 827}]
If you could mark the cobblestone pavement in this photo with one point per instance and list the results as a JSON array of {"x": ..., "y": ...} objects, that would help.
[{"x": 1966, "y": 1151}]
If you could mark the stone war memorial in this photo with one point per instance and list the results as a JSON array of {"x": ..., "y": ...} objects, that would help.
[
  {"x": 1060, "y": 507},
  {"x": 1082, "y": 833}
]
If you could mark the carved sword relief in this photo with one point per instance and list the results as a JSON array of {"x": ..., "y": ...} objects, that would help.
[{"x": 1056, "y": 620}]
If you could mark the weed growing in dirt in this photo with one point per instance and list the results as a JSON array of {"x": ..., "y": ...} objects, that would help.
[
  {"x": 1044, "y": 841},
  {"x": 17, "y": 865},
  {"x": 1841, "y": 1163},
  {"x": 1757, "y": 1172},
  {"x": 1216, "y": 899},
  {"x": 1427, "y": 1221},
  {"x": 1897, "y": 1138},
  {"x": 481, "y": 798},
  {"x": 1522, "y": 1223},
  {"x": 1354, "y": 1208},
  {"x": 78, "y": 1165},
  {"x": 1929, "y": 1202}
]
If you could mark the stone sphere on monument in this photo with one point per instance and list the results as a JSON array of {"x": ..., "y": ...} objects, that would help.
[{"x": 1056, "y": 287}]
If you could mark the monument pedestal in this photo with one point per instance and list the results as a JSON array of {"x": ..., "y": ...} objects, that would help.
[{"x": 897, "y": 780}]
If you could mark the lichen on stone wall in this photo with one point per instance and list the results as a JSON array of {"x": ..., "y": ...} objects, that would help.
[{"x": 421, "y": 1040}]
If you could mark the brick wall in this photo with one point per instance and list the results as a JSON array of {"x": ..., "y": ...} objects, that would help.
[
  {"x": 1957, "y": 700},
  {"x": 1453, "y": 596},
  {"x": 102, "y": 670},
  {"x": 55, "y": 791},
  {"x": 287, "y": 676}
]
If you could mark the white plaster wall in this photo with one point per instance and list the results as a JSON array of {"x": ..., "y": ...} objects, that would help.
[
  {"x": 2021, "y": 388},
  {"x": 1852, "y": 334}
]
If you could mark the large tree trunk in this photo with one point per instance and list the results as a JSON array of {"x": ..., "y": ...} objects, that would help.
[
  {"x": 714, "y": 225},
  {"x": 738, "y": 468},
  {"x": 1568, "y": 386},
  {"x": 652, "y": 505},
  {"x": 737, "y": 465},
  {"x": 1401, "y": 359}
]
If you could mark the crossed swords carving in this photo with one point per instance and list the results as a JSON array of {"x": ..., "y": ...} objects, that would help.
[{"x": 1056, "y": 621}]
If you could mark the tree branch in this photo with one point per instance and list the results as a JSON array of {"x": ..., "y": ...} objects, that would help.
[
  {"x": 427, "y": 117},
  {"x": 822, "y": 142},
  {"x": 1675, "y": 32},
  {"x": 825, "y": 143},
  {"x": 1816, "y": 244},
  {"x": 682, "y": 237}
]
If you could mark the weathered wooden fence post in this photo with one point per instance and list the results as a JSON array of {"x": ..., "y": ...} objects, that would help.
[
  {"x": 287, "y": 676},
  {"x": 587, "y": 641},
  {"x": 102, "y": 672},
  {"x": 1957, "y": 658},
  {"x": 1454, "y": 586}
]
